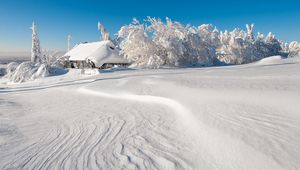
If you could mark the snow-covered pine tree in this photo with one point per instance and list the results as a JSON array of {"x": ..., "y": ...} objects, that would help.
[
  {"x": 35, "y": 50},
  {"x": 104, "y": 33}
]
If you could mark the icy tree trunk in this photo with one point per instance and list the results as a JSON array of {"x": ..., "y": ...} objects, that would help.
[
  {"x": 104, "y": 33},
  {"x": 35, "y": 50}
]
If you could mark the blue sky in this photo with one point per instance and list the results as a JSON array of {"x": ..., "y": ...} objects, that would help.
[{"x": 58, "y": 18}]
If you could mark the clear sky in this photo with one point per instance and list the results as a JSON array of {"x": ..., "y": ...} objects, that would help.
[{"x": 58, "y": 18}]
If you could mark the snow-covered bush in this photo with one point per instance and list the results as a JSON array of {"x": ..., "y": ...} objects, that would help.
[
  {"x": 25, "y": 71},
  {"x": 294, "y": 49},
  {"x": 11, "y": 67},
  {"x": 42, "y": 71}
]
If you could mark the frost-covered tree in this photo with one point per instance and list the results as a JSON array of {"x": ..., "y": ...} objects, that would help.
[
  {"x": 169, "y": 37},
  {"x": 35, "y": 50},
  {"x": 273, "y": 45},
  {"x": 158, "y": 43},
  {"x": 260, "y": 37},
  {"x": 104, "y": 33},
  {"x": 234, "y": 47},
  {"x": 239, "y": 47},
  {"x": 137, "y": 46},
  {"x": 170, "y": 43},
  {"x": 250, "y": 35},
  {"x": 260, "y": 46},
  {"x": 210, "y": 41}
]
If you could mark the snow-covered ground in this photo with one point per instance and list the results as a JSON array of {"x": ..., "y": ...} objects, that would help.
[{"x": 233, "y": 117}]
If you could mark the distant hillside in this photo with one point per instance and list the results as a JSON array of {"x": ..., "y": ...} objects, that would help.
[
  {"x": 14, "y": 54},
  {"x": 6, "y": 57}
]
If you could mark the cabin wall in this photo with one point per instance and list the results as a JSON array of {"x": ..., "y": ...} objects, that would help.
[
  {"x": 77, "y": 64},
  {"x": 84, "y": 64}
]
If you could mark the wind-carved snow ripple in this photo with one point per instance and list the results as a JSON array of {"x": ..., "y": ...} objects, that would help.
[
  {"x": 73, "y": 145},
  {"x": 154, "y": 150},
  {"x": 268, "y": 131},
  {"x": 104, "y": 142}
]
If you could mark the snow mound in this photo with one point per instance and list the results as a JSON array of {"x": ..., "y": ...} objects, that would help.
[
  {"x": 21, "y": 73},
  {"x": 18, "y": 73},
  {"x": 90, "y": 71},
  {"x": 83, "y": 72},
  {"x": 269, "y": 60},
  {"x": 42, "y": 71}
]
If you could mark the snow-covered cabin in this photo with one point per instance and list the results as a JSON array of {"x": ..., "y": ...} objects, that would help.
[{"x": 102, "y": 54}]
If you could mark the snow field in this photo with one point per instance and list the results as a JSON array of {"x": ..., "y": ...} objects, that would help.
[{"x": 235, "y": 117}]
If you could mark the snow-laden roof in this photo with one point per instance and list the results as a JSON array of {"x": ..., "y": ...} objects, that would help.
[{"x": 99, "y": 52}]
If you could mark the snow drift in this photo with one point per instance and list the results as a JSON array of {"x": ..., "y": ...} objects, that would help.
[
  {"x": 238, "y": 117},
  {"x": 26, "y": 71},
  {"x": 49, "y": 64},
  {"x": 270, "y": 60}
]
